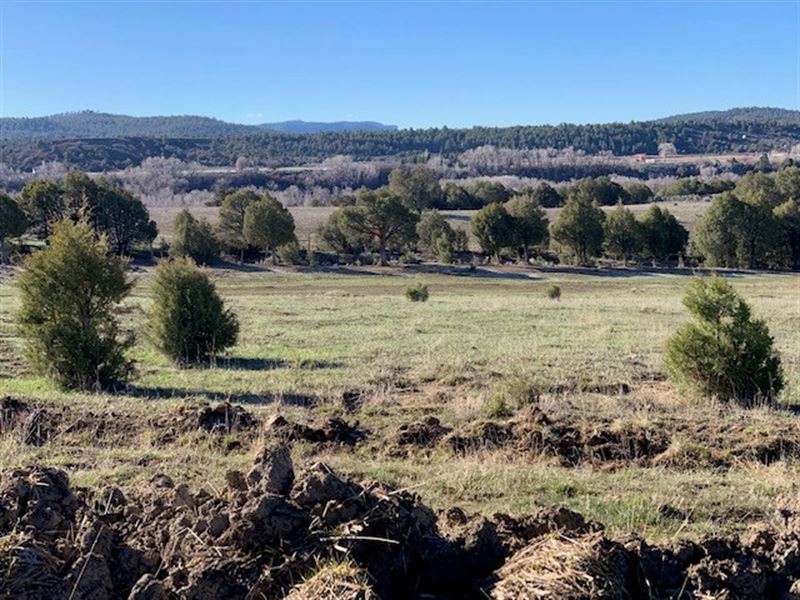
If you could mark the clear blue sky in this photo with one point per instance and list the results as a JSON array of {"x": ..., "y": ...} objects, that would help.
[{"x": 412, "y": 64}]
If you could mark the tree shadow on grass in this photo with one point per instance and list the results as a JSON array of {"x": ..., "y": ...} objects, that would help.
[
  {"x": 644, "y": 271},
  {"x": 456, "y": 217},
  {"x": 462, "y": 271},
  {"x": 228, "y": 265},
  {"x": 162, "y": 392},
  {"x": 365, "y": 271},
  {"x": 236, "y": 363}
]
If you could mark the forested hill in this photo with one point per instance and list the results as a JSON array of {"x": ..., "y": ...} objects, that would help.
[
  {"x": 753, "y": 114},
  {"x": 92, "y": 125},
  {"x": 693, "y": 134}
]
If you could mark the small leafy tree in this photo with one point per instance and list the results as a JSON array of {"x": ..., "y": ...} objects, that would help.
[
  {"x": 529, "y": 223},
  {"x": 417, "y": 188},
  {"x": 437, "y": 236},
  {"x": 494, "y": 228},
  {"x": 788, "y": 215},
  {"x": 787, "y": 181},
  {"x": 716, "y": 236},
  {"x": 623, "y": 234},
  {"x": 662, "y": 235},
  {"x": 193, "y": 238},
  {"x": 578, "y": 231},
  {"x": 12, "y": 222},
  {"x": 489, "y": 192},
  {"x": 68, "y": 293},
  {"x": 122, "y": 217},
  {"x": 190, "y": 323},
  {"x": 430, "y": 227},
  {"x": 79, "y": 194},
  {"x": 456, "y": 197},
  {"x": 601, "y": 190},
  {"x": 763, "y": 243},
  {"x": 639, "y": 193},
  {"x": 42, "y": 204},
  {"x": 231, "y": 220},
  {"x": 733, "y": 233},
  {"x": 337, "y": 236},
  {"x": 291, "y": 253},
  {"x": 758, "y": 189},
  {"x": 380, "y": 216},
  {"x": 546, "y": 196},
  {"x": 267, "y": 225},
  {"x": 724, "y": 353},
  {"x": 445, "y": 246}
]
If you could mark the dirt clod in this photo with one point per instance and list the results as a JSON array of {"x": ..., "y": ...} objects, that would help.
[
  {"x": 272, "y": 471},
  {"x": 333, "y": 430},
  {"x": 222, "y": 418},
  {"x": 423, "y": 434}
]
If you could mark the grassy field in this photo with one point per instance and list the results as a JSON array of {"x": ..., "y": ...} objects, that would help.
[
  {"x": 307, "y": 219},
  {"x": 310, "y": 337}
]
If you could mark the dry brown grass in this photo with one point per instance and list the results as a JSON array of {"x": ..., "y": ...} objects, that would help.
[
  {"x": 556, "y": 567},
  {"x": 335, "y": 581}
]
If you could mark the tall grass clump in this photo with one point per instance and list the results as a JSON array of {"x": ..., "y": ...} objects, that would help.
[
  {"x": 190, "y": 323},
  {"x": 513, "y": 393},
  {"x": 725, "y": 352}
]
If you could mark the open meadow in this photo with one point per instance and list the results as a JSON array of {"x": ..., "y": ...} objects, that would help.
[
  {"x": 399, "y": 300},
  {"x": 400, "y": 392}
]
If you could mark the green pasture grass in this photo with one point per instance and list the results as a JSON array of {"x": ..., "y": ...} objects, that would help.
[
  {"x": 308, "y": 333},
  {"x": 313, "y": 334}
]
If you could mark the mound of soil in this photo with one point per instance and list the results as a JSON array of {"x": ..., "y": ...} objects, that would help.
[
  {"x": 423, "y": 435},
  {"x": 200, "y": 416},
  {"x": 675, "y": 442},
  {"x": 533, "y": 432},
  {"x": 222, "y": 418},
  {"x": 334, "y": 430},
  {"x": 274, "y": 533},
  {"x": 721, "y": 442}
]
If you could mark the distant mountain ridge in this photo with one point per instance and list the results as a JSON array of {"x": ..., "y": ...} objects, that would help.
[
  {"x": 89, "y": 124},
  {"x": 320, "y": 127},
  {"x": 96, "y": 125},
  {"x": 99, "y": 142}
]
